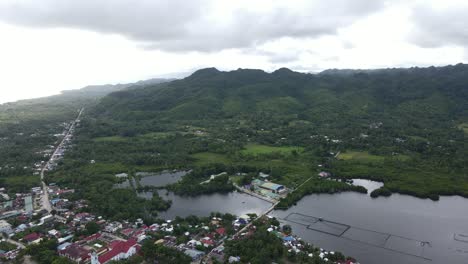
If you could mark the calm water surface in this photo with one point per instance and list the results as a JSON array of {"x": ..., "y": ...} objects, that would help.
[
  {"x": 160, "y": 179},
  {"x": 396, "y": 229},
  {"x": 235, "y": 203}
]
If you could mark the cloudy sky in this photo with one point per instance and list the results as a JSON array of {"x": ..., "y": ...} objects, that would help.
[{"x": 51, "y": 45}]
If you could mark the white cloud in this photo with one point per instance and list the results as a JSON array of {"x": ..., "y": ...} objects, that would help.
[
  {"x": 196, "y": 25},
  {"x": 440, "y": 25},
  {"x": 51, "y": 45}
]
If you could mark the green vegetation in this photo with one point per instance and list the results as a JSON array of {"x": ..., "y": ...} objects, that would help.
[
  {"x": 317, "y": 186},
  {"x": 266, "y": 247},
  {"x": 380, "y": 192},
  {"x": 363, "y": 156},
  {"x": 398, "y": 126},
  {"x": 45, "y": 252},
  {"x": 257, "y": 149},
  {"x": 5, "y": 246},
  {"x": 163, "y": 254},
  {"x": 28, "y": 128}
]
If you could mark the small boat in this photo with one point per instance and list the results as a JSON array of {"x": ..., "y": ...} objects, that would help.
[{"x": 320, "y": 219}]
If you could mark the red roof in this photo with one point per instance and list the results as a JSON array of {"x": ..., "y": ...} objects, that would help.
[
  {"x": 221, "y": 231},
  {"x": 32, "y": 237},
  {"x": 138, "y": 233},
  {"x": 93, "y": 237},
  {"x": 117, "y": 248},
  {"x": 127, "y": 231},
  {"x": 207, "y": 242}
]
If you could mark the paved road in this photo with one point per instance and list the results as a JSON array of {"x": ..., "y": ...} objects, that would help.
[{"x": 45, "y": 202}]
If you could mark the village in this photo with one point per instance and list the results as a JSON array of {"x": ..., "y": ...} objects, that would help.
[
  {"x": 83, "y": 237},
  {"x": 86, "y": 238},
  {"x": 48, "y": 213}
]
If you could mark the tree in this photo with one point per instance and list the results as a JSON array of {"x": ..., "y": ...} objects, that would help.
[{"x": 92, "y": 228}]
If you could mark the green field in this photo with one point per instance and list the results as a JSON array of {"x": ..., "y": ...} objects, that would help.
[
  {"x": 362, "y": 156},
  {"x": 256, "y": 149},
  {"x": 291, "y": 171}
]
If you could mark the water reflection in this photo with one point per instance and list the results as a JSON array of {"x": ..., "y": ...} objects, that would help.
[
  {"x": 235, "y": 203},
  {"x": 397, "y": 229}
]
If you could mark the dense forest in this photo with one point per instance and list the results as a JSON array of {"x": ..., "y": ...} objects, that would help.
[{"x": 404, "y": 127}]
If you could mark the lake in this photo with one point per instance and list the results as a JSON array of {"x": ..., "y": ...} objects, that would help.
[
  {"x": 156, "y": 179},
  {"x": 235, "y": 203},
  {"x": 395, "y": 229},
  {"x": 161, "y": 178}
]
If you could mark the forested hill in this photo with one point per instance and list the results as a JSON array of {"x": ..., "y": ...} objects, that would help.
[{"x": 418, "y": 96}]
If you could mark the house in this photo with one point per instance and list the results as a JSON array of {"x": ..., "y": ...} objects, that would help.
[
  {"x": 194, "y": 254},
  {"x": 113, "y": 227},
  {"x": 273, "y": 187},
  {"x": 219, "y": 250},
  {"x": 193, "y": 243},
  {"x": 233, "y": 259},
  {"x": 63, "y": 246},
  {"x": 53, "y": 232},
  {"x": 5, "y": 227},
  {"x": 92, "y": 237},
  {"x": 221, "y": 231},
  {"x": 32, "y": 238},
  {"x": 121, "y": 175},
  {"x": 159, "y": 242},
  {"x": 207, "y": 242},
  {"x": 75, "y": 253},
  {"x": 119, "y": 250},
  {"x": 63, "y": 239},
  {"x": 127, "y": 232},
  {"x": 324, "y": 174}
]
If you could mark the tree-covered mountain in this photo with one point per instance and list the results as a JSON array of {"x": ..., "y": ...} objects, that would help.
[
  {"x": 416, "y": 94},
  {"x": 405, "y": 127}
]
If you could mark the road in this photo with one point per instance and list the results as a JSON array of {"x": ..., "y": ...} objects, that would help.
[
  {"x": 18, "y": 244},
  {"x": 45, "y": 202},
  {"x": 208, "y": 256}
]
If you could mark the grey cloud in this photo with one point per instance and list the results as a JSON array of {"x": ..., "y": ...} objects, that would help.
[
  {"x": 439, "y": 27},
  {"x": 179, "y": 25}
]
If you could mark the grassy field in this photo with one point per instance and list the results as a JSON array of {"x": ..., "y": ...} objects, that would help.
[
  {"x": 362, "y": 156},
  {"x": 256, "y": 149}
]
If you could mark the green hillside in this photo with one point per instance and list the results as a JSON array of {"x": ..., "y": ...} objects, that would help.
[{"x": 411, "y": 119}]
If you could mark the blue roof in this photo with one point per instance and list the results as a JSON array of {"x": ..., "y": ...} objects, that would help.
[{"x": 288, "y": 238}]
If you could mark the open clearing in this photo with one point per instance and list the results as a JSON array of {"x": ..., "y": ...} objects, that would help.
[
  {"x": 256, "y": 149},
  {"x": 360, "y": 156}
]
